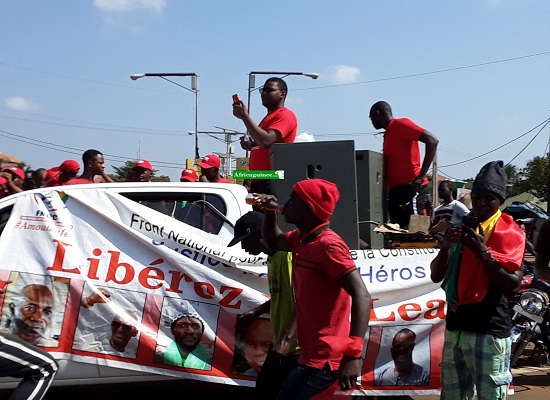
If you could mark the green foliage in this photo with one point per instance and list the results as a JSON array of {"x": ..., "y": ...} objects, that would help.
[{"x": 534, "y": 178}]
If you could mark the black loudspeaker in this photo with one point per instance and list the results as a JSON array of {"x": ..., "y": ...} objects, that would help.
[
  {"x": 333, "y": 161},
  {"x": 371, "y": 196}
]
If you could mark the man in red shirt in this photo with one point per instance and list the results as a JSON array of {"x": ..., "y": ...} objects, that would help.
[
  {"x": 210, "y": 169},
  {"x": 278, "y": 126},
  {"x": 57, "y": 176},
  {"x": 327, "y": 287},
  {"x": 143, "y": 171},
  {"x": 94, "y": 164},
  {"x": 12, "y": 180},
  {"x": 405, "y": 177}
]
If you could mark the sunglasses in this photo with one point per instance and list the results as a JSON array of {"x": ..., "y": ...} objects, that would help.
[
  {"x": 267, "y": 89},
  {"x": 126, "y": 328}
]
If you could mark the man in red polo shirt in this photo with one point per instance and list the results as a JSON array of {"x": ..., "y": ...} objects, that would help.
[
  {"x": 405, "y": 177},
  {"x": 278, "y": 126},
  {"x": 327, "y": 287},
  {"x": 94, "y": 164}
]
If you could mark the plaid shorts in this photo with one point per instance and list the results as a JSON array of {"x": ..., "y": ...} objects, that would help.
[{"x": 475, "y": 363}]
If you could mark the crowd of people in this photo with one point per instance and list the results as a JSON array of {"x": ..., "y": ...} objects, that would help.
[{"x": 320, "y": 307}]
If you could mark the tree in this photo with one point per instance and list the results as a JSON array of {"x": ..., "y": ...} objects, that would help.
[
  {"x": 513, "y": 179},
  {"x": 535, "y": 177},
  {"x": 121, "y": 172}
]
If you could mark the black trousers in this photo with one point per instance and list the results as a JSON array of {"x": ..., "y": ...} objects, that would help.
[
  {"x": 403, "y": 202},
  {"x": 20, "y": 359},
  {"x": 272, "y": 375}
]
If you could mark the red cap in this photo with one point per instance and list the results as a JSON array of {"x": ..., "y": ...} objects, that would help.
[
  {"x": 319, "y": 194},
  {"x": 143, "y": 164},
  {"x": 69, "y": 166},
  {"x": 188, "y": 174},
  {"x": 210, "y": 161},
  {"x": 16, "y": 171}
]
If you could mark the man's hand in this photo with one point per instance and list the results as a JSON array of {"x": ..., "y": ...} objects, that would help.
[
  {"x": 348, "y": 372},
  {"x": 246, "y": 144},
  {"x": 98, "y": 296},
  {"x": 3, "y": 291},
  {"x": 239, "y": 110}
]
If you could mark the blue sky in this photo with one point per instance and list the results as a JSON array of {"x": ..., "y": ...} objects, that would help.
[{"x": 474, "y": 73}]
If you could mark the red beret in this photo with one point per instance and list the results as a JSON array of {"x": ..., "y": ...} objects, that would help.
[{"x": 320, "y": 195}]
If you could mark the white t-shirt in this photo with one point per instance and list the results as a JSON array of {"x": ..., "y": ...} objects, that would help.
[{"x": 451, "y": 212}]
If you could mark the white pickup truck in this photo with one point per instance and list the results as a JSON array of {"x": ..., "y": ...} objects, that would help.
[
  {"x": 213, "y": 208},
  {"x": 126, "y": 238}
]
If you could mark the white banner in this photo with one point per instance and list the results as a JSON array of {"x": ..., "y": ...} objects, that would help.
[{"x": 114, "y": 277}]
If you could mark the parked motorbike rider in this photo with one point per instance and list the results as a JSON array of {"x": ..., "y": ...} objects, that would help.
[
  {"x": 480, "y": 267},
  {"x": 542, "y": 251}
]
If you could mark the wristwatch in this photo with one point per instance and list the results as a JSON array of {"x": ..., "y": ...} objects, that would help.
[{"x": 485, "y": 255}]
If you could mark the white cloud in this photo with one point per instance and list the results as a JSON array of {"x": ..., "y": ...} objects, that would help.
[
  {"x": 304, "y": 137},
  {"x": 345, "y": 74},
  {"x": 19, "y": 103},
  {"x": 121, "y": 6}
]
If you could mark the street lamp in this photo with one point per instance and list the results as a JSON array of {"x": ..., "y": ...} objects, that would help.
[
  {"x": 252, "y": 80},
  {"x": 194, "y": 89}
]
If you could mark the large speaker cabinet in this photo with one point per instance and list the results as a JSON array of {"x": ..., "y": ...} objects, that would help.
[
  {"x": 333, "y": 161},
  {"x": 371, "y": 196}
]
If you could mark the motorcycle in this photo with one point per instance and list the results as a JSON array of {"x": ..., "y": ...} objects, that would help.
[{"x": 531, "y": 320}]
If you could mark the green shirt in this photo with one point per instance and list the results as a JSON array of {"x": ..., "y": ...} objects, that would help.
[
  {"x": 197, "y": 359},
  {"x": 279, "y": 276}
]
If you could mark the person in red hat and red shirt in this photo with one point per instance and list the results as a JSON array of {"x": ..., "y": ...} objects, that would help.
[
  {"x": 188, "y": 175},
  {"x": 327, "y": 288},
  {"x": 210, "y": 168},
  {"x": 12, "y": 180},
  {"x": 143, "y": 171},
  {"x": 57, "y": 176}
]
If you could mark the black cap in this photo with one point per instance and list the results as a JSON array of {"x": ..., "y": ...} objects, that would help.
[
  {"x": 492, "y": 178},
  {"x": 248, "y": 224}
]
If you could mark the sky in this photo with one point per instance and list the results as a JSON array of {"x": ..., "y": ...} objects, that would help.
[{"x": 474, "y": 73}]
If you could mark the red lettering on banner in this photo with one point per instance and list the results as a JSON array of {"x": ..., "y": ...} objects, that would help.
[
  {"x": 404, "y": 309},
  {"x": 412, "y": 311},
  {"x": 150, "y": 273},
  {"x": 114, "y": 265},
  {"x": 204, "y": 290},
  {"x": 60, "y": 257},
  {"x": 94, "y": 265},
  {"x": 146, "y": 276},
  {"x": 232, "y": 294}
]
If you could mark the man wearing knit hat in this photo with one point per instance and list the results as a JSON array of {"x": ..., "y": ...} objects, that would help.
[
  {"x": 327, "y": 287},
  {"x": 479, "y": 263}
]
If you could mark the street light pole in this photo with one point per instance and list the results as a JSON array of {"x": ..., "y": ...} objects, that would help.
[{"x": 194, "y": 89}]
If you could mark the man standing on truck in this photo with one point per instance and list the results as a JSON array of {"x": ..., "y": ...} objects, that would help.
[
  {"x": 278, "y": 126},
  {"x": 404, "y": 176},
  {"x": 327, "y": 287},
  {"x": 210, "y": 169},
  {"x": 479, "y": 263}
]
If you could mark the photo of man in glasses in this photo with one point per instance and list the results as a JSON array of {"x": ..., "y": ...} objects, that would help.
[{"x": 108, "y": 328}]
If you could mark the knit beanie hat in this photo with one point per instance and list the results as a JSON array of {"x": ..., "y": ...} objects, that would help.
[
  {"x": 319, "y": 194},
  {"x": 492, "y": 178}
]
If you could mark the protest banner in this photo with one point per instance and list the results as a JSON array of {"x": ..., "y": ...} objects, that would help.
[{"x": 115, "y": 267}]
